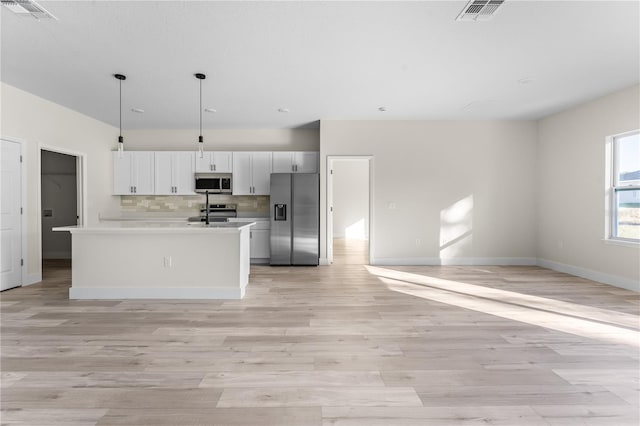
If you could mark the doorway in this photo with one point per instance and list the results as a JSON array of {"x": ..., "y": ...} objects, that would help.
[
  {"x": 60, "y": 206},
  {"x": 349, "y": 216}
]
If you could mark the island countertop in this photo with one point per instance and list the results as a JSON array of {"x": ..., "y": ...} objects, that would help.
[
  {"x": 159, "y": 260},
  {"x": 157, "y": 227}
]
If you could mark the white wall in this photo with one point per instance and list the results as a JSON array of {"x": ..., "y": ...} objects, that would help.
[
  {"x": 351, "y": 199},
  {"x": 37, "y": 123},
  {"x": 224, "y": 140},
  {"x": 571, "y": 190},
  {"x": 443, "y": 191}
]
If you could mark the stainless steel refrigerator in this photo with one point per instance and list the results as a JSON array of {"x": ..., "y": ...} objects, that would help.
[{"x": 295, "y": 218}]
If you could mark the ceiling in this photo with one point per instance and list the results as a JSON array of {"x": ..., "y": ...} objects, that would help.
[{"x": 320, "y": 60}]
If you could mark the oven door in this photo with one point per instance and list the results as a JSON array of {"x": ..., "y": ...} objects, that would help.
[{"x": 211, "y": 184}]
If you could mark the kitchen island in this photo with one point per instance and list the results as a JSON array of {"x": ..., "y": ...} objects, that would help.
[{"x": 159, "y": 260}]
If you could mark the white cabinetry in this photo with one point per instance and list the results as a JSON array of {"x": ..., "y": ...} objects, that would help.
[
  {"x": 133, "y": 173},
  {"x": 174, "y": 173},
  {"x": 295, "y": 162},
  {"x": 214, "y": 161},
  {"x": 251, "y": 173},
  {"x": 260, "y": 245}
]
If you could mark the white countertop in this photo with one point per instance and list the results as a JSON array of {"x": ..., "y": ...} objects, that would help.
[{"x": 157, "y": 227}]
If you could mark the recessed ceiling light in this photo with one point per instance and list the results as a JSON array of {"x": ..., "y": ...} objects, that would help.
[
  {"x": 138, "y": 110},
  {"x": 382, "y": 109},
  {"x": 283, "y": 109},
  {"x": 211, "y": 110}
]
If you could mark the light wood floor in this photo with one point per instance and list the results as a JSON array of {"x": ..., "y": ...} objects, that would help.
[
  {"x": 338, "y": 345},
  {"x": 350, "y": 252}
]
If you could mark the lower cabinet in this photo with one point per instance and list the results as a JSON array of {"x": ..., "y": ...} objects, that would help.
[{"x": 260, "y": 245}]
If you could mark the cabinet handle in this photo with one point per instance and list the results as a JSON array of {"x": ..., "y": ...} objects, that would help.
[
  {"x": 135, "y": 190},
  {"x": 211, "y": 167},
  {"x": 131, "y": 189},
  {"x": 214, "y": 167}
]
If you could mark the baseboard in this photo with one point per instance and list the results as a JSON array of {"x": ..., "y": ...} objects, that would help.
[
  {"x": 324, "y": 261},
  {"x": 156, "y": 293},
  {"x": 589, "y": 274},
  {"x": 462, "y": 261},
  {"x": 30, "y": 279}
]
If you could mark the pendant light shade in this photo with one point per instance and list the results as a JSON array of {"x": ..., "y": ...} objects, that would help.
[
  {"x": 120, "y": 78},
  {"x": 200, "y": 77}
]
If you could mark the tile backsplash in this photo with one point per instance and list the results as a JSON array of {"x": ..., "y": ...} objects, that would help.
[{"x": 192, "y": 203}]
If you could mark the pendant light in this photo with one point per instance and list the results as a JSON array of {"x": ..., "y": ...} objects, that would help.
[
  {"x": 120, "y": 77},
  {"x": 201, "y": 77}
]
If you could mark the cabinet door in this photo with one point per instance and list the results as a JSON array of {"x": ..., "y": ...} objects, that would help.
[
  {"x": 221, "y": 161},
  {"x": 163, "y": 173},
  {"x": 182, "y": 168},
  {"x": 143, "y": 172},
  {"x": 283, "y": 162},
  {"x": 260, "y": 244},
  {"x": 122, "y": 184},
  {"x": 204, "y": 164},
  {"x": 241, "y": 173},
  {"x": 261, "y": 173},
  {"x": 306, "y": 162}
]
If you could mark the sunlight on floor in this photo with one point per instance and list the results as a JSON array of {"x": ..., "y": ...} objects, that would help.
[{"x": 554, "y": 314}]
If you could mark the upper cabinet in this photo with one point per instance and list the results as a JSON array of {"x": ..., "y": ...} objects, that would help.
[
  {"x": 214, "y": 162},
  {"x": 133, "y": 173},
  {"x": 174, "y": 173},
  {"x": 251, "y": 173},
  {"x": 295, "y": 162}
]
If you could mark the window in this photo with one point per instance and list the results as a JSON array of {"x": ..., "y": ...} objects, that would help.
[{"x": 625, "y": 187}]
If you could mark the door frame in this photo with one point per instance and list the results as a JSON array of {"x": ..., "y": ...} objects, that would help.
[
  {"x": 81, "y": 186},
  {"x": 23, "y": 206},
  {"x": 330, "y": 161}
]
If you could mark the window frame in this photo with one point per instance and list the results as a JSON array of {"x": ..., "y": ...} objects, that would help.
[{"x": 614, "y": 187}]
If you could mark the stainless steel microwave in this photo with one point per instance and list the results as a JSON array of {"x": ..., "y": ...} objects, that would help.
[{"x": 215, "y": 183}]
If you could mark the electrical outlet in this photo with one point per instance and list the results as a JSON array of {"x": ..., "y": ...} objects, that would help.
[
  {"x": 167, "y": 261},
  {"x": 392, "y": 206},
  {"x": 255, "y": 204},
  {"x": 418, "y": 242}
]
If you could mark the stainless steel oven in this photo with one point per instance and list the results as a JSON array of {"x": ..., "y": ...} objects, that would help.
[{"x": 215, "y": 183}]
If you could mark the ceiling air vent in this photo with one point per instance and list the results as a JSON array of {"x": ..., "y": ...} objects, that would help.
[
  {"x": 479, "y": 10},
  {"x": 27, "y": 8}
]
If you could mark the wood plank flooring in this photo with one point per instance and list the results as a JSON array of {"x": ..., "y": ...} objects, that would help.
[{"x": 348, "y": 344}]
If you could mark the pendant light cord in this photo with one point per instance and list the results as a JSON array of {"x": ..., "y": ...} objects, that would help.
[
  {"x": 200, "y": 107},
  {"x": 120, "y": 107}
]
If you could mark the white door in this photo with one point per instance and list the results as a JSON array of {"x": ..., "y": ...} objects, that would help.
[
  {"x": 283, "y": 162},
  {"x": 183, "y": 179},
  {"x": 222, "y": 161},
  {"x": 241, "y": 173},
  {"x": 260, "y": 245},
  {"x": 204, "y": 164},
  {"x": 163, "y": 172},
  {"x": 10, "y": 223},
  {"x": 261, "y": 173},
  {"x": 306, "y": 162},
  {"x": 143, "y": 176},
  {"x": 122, "y": 184}
]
